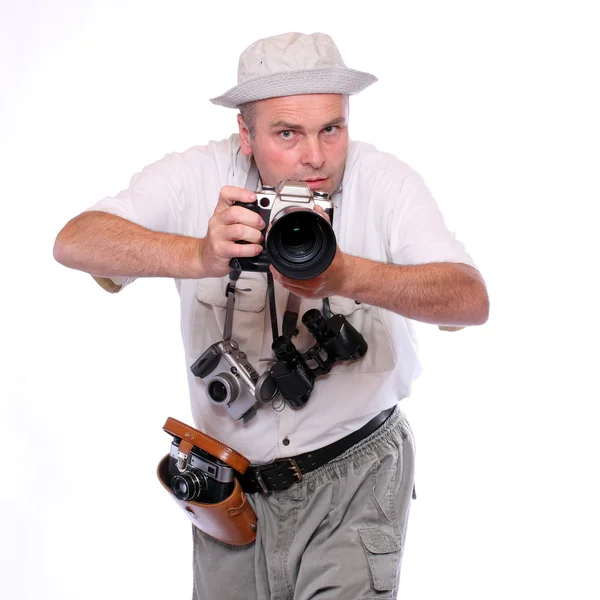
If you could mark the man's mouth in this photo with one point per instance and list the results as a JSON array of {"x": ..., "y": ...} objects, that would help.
[{"x": 315, "y": 184}]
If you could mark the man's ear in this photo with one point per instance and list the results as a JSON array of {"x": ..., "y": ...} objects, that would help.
[{"x": 244, "y": 137}]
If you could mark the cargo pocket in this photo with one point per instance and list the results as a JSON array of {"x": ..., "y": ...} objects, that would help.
[
  {"x": 250, "y": 292},
  {"x": 383, "y": 554},
  {"x": 248, "y": 316},
  {"x": 368, "y": 321}
]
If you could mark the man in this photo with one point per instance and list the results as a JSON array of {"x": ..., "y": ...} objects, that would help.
[{"x": 336, "y": 528}]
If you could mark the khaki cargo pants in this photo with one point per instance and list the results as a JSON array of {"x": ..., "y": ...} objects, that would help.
[{"x": 336, "y": 535}]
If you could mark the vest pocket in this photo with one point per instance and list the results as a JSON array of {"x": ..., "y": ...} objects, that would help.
[
  {"x": 368, "y": 321},
  {"x": 248, "y": 314}
]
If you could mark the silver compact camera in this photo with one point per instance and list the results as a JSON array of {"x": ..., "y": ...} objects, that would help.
[
  {"x": 232, "y": 382},
  {"x": 299, "y": 242}
]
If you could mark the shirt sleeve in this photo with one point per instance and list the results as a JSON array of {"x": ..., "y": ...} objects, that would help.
[
  {"x": 154, "y": 199},
  {"x": 417, "y": 231}
]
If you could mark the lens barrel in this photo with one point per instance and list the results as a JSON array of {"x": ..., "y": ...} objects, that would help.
[
  {"x": 300, "y": 244},
  {"x": 223, "y": 388},
  {"x": 189, "y": 485}
]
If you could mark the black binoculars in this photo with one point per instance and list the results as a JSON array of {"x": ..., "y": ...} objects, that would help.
[{"x": 294, "y": 372}]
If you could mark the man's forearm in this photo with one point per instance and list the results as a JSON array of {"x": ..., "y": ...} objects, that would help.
[
  {"x": 108, "y": 246},
  {"x": 438, "y": 293}
]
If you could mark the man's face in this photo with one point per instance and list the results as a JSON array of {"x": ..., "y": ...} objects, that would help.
[{"x": 304, "y": 138}]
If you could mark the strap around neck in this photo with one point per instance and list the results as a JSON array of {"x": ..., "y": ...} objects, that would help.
[{"x": 252, "y": 177}]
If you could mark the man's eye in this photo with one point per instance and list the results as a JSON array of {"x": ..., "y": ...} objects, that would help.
[
  {"x": 287, "y": 134},
  {"x": 330, "y": 129}
]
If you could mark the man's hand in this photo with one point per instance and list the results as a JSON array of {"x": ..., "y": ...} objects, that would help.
[
  {"x": 227, "y": 225},
  {"x": 328, "y": 283}
]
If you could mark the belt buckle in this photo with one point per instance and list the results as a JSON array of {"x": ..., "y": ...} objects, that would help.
[
  {"x": 292, "y": 466},
  {"x": 295, "y": 469}
]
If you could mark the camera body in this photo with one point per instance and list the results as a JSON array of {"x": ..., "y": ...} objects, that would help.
[
  {"x": 299, "y": 242},
  {"x": 231, "y": 380},
  {"x": 201, "y": 478}
]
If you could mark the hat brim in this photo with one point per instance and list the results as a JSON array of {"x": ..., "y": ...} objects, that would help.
[{"x": 310, "y": 81}]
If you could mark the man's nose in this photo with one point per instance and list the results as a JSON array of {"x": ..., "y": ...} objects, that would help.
[{"x": 312, "y": 154}]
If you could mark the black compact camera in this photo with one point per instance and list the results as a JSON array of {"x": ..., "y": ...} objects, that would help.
[
  {"x": 199, "y": 476},
  {"x": 299, "y": 242},
  {"x": 294, "y": 373}
]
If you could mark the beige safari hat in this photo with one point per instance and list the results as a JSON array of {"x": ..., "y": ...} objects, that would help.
[{"x": 290, "y": 64}]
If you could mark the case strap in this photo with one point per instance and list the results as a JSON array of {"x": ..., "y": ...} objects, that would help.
[{"x": 192, "y": 437}]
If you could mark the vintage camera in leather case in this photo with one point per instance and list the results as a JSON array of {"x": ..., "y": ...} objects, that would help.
[{"x": 200, "y": 475}]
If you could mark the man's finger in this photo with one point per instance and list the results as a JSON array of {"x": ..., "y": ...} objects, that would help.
[
  {"x": 244, "y": 250},
  {"x": 239, "y": 232},
  {"x": 240, "y": 214},
  {"x": 230, "y": 194},
  {"x": 320, "y": 210}
]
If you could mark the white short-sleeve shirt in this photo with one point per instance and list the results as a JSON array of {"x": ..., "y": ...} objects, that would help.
[{"x": 384, "y": 212}]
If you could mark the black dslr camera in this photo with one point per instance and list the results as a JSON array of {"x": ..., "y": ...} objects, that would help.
[
  {"x": 294, "y": 373},
  {"x": 199, "y": 477},
  {"x": 299, "y": 242}
]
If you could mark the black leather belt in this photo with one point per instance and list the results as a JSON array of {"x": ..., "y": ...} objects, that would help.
[{"x": 282, "y": 473}]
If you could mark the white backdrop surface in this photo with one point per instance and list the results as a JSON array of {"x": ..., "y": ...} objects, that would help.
[{"x": 494, "y": 103}]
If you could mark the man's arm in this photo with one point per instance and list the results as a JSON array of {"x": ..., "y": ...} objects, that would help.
[
  {"x": 106, "y": 245},
  {"x": 447, "y": 294}
]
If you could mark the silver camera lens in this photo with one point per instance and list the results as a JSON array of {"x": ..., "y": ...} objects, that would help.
[
  {"x": 223, "y": 388},
  {"x": 189, "y": 486}
]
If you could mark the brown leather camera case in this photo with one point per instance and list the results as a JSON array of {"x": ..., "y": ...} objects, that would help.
[{"x": 233, "y": 520}]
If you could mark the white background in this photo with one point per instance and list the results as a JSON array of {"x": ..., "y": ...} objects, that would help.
[{"x": 494, "y": 103}]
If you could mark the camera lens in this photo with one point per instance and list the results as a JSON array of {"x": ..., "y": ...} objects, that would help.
[
  {"x": 217, "y": 391},
  {"x": 224, "y": 388},
  {"x": 301, "y": 243},
  {"x": 189, "y": 486},
  {"x": 301, "y": 239}
]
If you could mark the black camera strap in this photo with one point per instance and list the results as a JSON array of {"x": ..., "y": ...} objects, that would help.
[
  {"x": 272, "y": 307},
  {"x": 290, "y": 317},
  {"x": 234, "y": 275}
]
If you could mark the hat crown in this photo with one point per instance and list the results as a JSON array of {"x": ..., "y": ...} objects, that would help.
[{"x": 288, "y": 52}]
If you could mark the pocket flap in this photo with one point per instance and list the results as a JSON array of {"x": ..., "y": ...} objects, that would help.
[
  {"x": 250, "y": 292},
  {"x": 377, "y": 541},
  {"x": 343, "y": 306}
]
